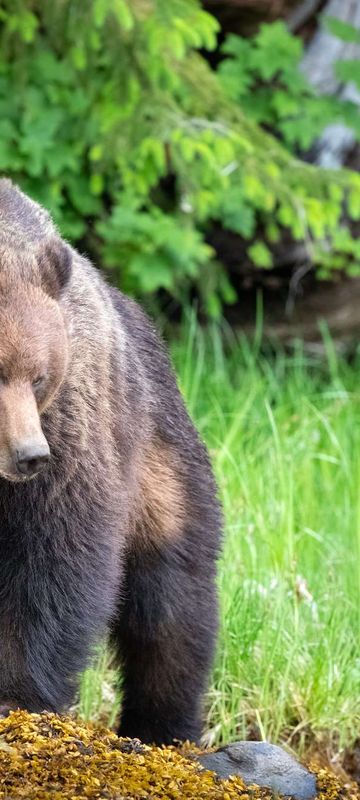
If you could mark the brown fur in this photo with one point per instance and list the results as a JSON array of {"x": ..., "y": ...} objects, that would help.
[
  {"x": 35, "y": 344},
  {"x": 160, "y": 503},
  {"x": 121, "y": 530}
]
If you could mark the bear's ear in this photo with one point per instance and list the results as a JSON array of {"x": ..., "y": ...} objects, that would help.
[{"x": 54, "y": 260}]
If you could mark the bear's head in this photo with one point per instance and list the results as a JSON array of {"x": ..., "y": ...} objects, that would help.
[{"x": 33, "y": 352}]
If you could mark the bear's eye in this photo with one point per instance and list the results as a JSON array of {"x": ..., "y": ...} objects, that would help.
[{"x": 38, "y": 381}]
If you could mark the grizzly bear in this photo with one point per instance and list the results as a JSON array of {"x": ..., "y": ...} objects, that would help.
[{"x": 108, "y": 507}]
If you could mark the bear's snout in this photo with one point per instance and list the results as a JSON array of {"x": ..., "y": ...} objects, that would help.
[
  {"x": 24, "y": 450},
  {"x": 32, "y": 458}
]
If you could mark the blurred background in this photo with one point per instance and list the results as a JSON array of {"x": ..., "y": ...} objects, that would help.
[
  {"x": 201, "y": 153},
  {"x": 206, "y": 156}
]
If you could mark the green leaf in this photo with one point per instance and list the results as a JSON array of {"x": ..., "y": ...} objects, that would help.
[
  {"x": 27, "y": 25},
  {"x": 96, "y": 152},
  {"x": 275, "y": 49},
  {"x": 100, "y": 11},
  {"x": 123, "y": 14},
  {"x": 343, "y": 30},
  {"x": 260, "y": 255},
  {"x": 96, "y": 184},
  {"x": 213, "y": 305},
  {"x": 236, "y": 214},
  {"x": 348, "y": 70},
  {"x": 353, "y": 202},
  {"x": 78, "y": 57},
  {"x": 153, "y": 270},
  {"x": 273, "y": 233}
]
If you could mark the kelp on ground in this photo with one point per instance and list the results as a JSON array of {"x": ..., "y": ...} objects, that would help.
[{"x": 44, "y": 755}]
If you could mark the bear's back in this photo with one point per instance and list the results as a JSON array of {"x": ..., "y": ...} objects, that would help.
[{"x": 22, "y": 221}]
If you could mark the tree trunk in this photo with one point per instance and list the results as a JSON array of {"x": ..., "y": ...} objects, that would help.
[
  {"x": 244, "y": 16},
  {"x": 318, "y": 65}
]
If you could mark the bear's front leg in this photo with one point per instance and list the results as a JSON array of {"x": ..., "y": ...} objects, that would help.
[
  {"x": 40, "y": 663},
  {"x": 57, "y": 596},
  {"x": 165, "y": 636}
]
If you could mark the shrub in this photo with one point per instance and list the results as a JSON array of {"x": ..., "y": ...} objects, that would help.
[{"x": 111, "y": 116}]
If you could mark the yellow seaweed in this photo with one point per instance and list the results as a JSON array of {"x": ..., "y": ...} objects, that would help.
[{"x": 46, "y": 756}]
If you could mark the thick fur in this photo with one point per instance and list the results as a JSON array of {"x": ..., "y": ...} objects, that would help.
[{"x": 121, "y": 530}]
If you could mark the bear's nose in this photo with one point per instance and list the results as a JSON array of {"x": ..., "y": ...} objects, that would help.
[{"x": 32, "y": 459}]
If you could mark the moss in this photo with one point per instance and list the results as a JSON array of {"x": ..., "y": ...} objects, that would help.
[
  {"x": 330, "y": 786},
  {"x": 43, "y": 755}
]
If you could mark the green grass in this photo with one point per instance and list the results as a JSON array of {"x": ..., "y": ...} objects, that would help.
[{"x": 284, "y": 436}]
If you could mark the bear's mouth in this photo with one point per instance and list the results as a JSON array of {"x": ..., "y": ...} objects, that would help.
[
  {"x": 12, "y": 474},
  {"x": 21, "y": 464},
  {"x": 15, "y": 477}
]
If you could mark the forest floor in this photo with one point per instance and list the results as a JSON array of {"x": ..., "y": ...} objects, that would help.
[{"x": 283, "y": 431}]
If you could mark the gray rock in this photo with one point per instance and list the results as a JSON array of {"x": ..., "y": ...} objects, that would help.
[{"x": 264, "y": 764}]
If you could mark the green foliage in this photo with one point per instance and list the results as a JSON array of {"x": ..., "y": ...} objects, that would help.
[
  {"x": 110, "y": 116},
  {"x": 263, "y": 75},
  {"x": 158, "y": 252},
  {"x": 343, "y": 30},
  {"x": 349, "y": 70}
]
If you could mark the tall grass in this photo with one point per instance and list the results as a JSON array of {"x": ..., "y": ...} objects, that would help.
[{"x": 284, "y": 435}]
